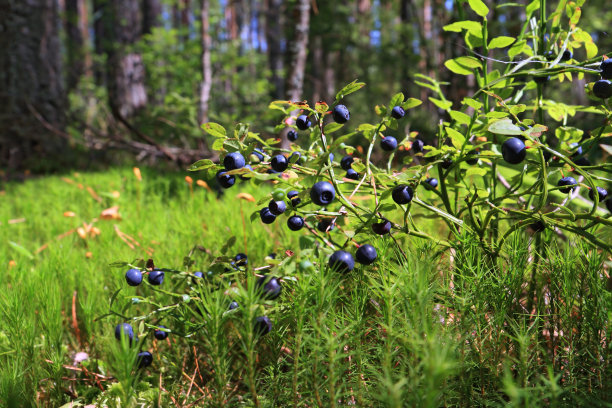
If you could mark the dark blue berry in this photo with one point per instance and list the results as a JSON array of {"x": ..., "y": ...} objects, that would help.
[
  {"x": 233, "y": 305},
  {"x": 296, "y": 157},
  {"x": 293, "y": 196},
  {"x": 292, "y": 135},
  {"x": 144, "y": 359},
  {"x": 279, "y": 163},
  {"x": 160, "y": 334},
  {"x": 417, "y": 146},
  {"x": 567, "y": 55},
  {"x": 198, "y": 274},
  {"x": 277, "y": 207},
  {"x": 156, "y": 277},
  {"x": 341, "y": 261},
  {"x": 241, "y": 259},
  {"x": 381, "y": 228},
  {"x": 606, "y": 69},
  {"x": 352, "y": 174},
  {"x": 602, "y": 89},
  {"x": 225, "y": 180},
  {"x": 133, "y": 277},
  {"x": 366, "y": 254},
  {"x": 601, "y": 193},
  {"x": 566, "y": 181},
  {"x": 302, "y": 122},
  {"x": 322, "y": 193},
  {"x": 472, "y": 153},
  {"x": 341, "y": 114},
  {"x": 263, "y": 325},
  {"x": 126, "y": 330},
  {"x": 431, "y": 183},
  {"x": 513, "y": 150},
  {"x": 233, "y": 161},
  {"x": 397, "y": 112},
  {"x": 266, "y": 216},
  {"x": 388, "y": 143},
  {"x": 346, "y": 162},
  {"x": 325, "y": 224},
  {"x": 269, "y": 287},
  {"x": 402, "y": 194},
  {"x": 295, "y": 223},
  {"x": 258, "y": 153},
  {"x": 246, "y": 175}
]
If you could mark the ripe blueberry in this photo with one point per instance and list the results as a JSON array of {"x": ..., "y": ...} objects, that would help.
[
  {"x": 472, "y": 153},
  {"x": 397, "y": 112},
  {"x": 295, "y": 223},
  {"x": 277, "y": 207},
  {"x": 388, "y": 143},
  {"x": 382, "y": 228},
  {"x": 133, "y": 277},
  {"x": 160, "y": 334},
  {"x": 269, "y": 287},
  {"x": 346, "y": 162},
  {"x": 225, "y": 180},
  {"x": 567, "y": 55},
  {"x": 263, "y": 325},
  {"x": 578, "y": 151},
  {"x": 582, "y": 161},
  {"x": 258, "y": 153},
  {"x": 279, "y": 163},
  {"x": 602, "y": 89},
  {"x": 241, "y": 259},
  {"x": 325, "y": 224},
  {"x": 296, "y": 157},
  {"x": 513, "y": 150},
  {"x": 341, "y": 114},
  {"x": 446, "y": 163},
  {"x": 431, "y": 183},
  {"x": 144, "y": 359},
  {"x": 352, "y": 174},
  {"x": 293, "y": 196},
  {"x": 322, "y": 193},
  {"x": 606, "y": 69},
  {"x": 246, "y": 175},
  {"x": 156, "y": 277},
  {"x": 302, "y": 122},
  {"x": 233, "y": 161},
  {"x": 566, "y": 181},
  {"x": 126, "y": 330},
  {"x": 366, "y": 254},
  {"x": 601, "y": 192},
  {"x": 402, "y": 194},
  {"x": 417, "y": 146},
  {"x": 292, "y": 135},
  {"x": 233, "y": 305},
  {"x": 266, "y": 216},
  {"x": 550, "y": 56},
  {"x": 341, "y": 261},
  {"x": 198, "y": 274}
]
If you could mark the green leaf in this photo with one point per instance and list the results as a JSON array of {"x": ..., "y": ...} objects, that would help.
[
  {"x": 533, "y": 6},
  {"x": 456, "y": 137},
  {"x": 204, "y": 164},
  {"x": 21, "y": 250},
  {"x": 396, "y": 100},
  {"x": 445, "y": 105},
  {"x": 501, "y": 42},
  {"x": 479, "y": 7},
  {"x": 349, "y": 89},
  {"x": 505, "y": 127},
  {"x": 473, "y": 27},
  {"x": 214, "y": 129},
  {"x": 475, "y": 171},
  {"x": 460, "y": 117},
  {"x": 519, "y": 47},
  {"x": 411, "y": 103},
  {"x": 472, "y": 103},
  {"x": 463, "y": 65},
  {"x": 332, "y": 127}
]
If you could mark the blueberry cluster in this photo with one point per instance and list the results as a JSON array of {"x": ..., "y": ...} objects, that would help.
[{"x": 603, "y": 88}]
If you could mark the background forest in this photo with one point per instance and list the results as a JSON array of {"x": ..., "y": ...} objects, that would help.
[{"x": 139, "y": 76}]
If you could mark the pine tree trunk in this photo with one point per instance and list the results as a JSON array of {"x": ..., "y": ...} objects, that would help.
[
  {"x": 206, "y": 84},
  {"x": 31, "y": 94},
  {"x": 151, "y": 15},
  {"x": 75, "y": 44}
]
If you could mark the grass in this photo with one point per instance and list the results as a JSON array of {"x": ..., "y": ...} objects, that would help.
[{"x": 413, "y": 330}]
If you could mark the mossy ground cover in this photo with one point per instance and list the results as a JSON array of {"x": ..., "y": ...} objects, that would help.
[{"x": 435, "y": 331}]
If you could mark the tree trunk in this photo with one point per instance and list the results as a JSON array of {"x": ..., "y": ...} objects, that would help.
[
  {"x": 126, "y": 88},
  {"x": 151, "y": 15},
  {"x": 31, "y": 94},
  {"x": 295, "y": 82},
  {"x": 74, "y": 44},
  {"x": 206, "y": 64}
]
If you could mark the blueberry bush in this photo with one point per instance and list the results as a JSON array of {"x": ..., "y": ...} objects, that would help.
[{"x": 470, "y": 270}]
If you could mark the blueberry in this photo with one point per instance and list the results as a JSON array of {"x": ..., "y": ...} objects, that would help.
[
  {"x": 279, "y": 163},
  {"x": 388, "y": 143},
  {"x": 352, "y": 174},
  {"x": 325, "y": 224},
  {"x": 225, "y": 180},
  {"x": 331, "y": 157},
  {"x": 446, "y": 163},
  {"x": 263, "y": 325},
  {"x": 322, "y": 193},
  {"x": 298, "y": 160},
  {"x": 266, "y": 216},
  {"x": 397, "y": 112},
  {"x": 366, "y": 254},
  {"x": 126, "y": 330},
  {"x": 295, "y": 223},
  {"x": 144, "y": 359},
  {"x": 431, "y": 183},
  {"x": 513, "y": 150},
  {"x": 582, "y": 161},
  {"x": 381, "y": 228},
  {"x": 233, "y": 305},
  {"x": 567, "y": 181},
  {"x": 537, "y": 226},
  {"x": 302, "y": 122},
  {"x": 541, "y": 79},
  {"x": 292, "y": 135},
  {"x": 241, "y": 259},
  {"x": 341, "y": 261},
  {"x": 246, "y": 175},
  {"x": 346, "y": 162},
  {"x": 602, "y": 193},
  {"x": 156, "y": 277},
  {"x": 341, "y": 114},
  {"x": 160, "y": 334},
  {"x": 272, "y": 255},
  {"x": 550, "y": 56},
  {"x": 198, "y": 274},
  {"x": 417, "y": 146},
  {"x": 578, "y": 151},
  {"x": 606, "y": 69},
  {"x": 293, "y": 196},
  {"x": 277, "y": 207},
  {"x": 269, "y": 287},
  {"x": 233, "y": 161},
  {"x": 602, "y": 89},
  {"x": 133, "y": 277},
  {"x": 567, "y": 55},
  {"x": 258, "y": 153},
  {"x": 402, "y": 194},
  {"x": 472, "y": 153}
]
